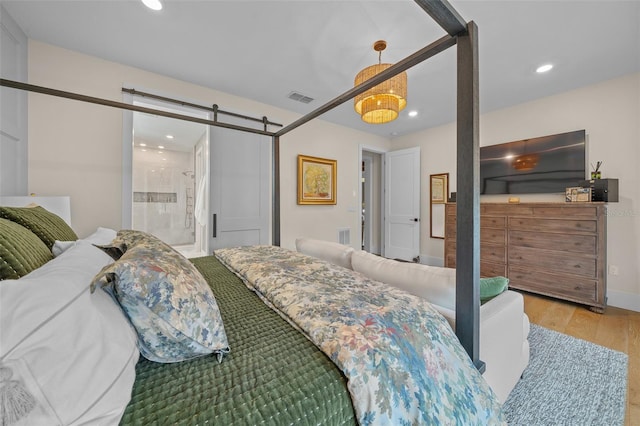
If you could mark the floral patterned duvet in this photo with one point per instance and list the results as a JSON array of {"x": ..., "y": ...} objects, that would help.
[{"x": 403, "y": 362}]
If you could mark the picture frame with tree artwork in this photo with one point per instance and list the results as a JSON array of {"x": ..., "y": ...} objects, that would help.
[{"x": 317, "y": 180}]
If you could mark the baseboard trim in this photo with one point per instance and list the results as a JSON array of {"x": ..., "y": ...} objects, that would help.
[
  {"x": 431, "y": 260},
  {"x": 621, "y": 299}
]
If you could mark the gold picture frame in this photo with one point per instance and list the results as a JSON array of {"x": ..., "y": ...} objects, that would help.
[
  {"x": 317, "y": 180},
  {"x": 439, "y": 188}
]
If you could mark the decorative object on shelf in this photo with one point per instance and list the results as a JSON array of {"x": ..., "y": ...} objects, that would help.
[
  {"x": 382, "y": 103},
  {"x": 317, "y": 178},
  {"x": 602, "y": 189},
  {"x": 596, "y": 173},
  {"x": 578, "y": 194},
  {"x": 514, "y": 200},
  {"x": 439, "y": 191}
]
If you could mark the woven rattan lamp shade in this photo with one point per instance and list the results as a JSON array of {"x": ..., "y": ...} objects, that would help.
[{"x": 381, "y": 103}]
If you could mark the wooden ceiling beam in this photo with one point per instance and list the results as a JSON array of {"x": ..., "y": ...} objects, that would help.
[{"x": 445, "y": 15}]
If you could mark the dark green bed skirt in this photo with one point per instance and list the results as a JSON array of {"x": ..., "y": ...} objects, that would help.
[{"x": 273, "y": 374}]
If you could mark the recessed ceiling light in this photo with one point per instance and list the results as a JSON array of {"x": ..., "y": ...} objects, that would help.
[
  {"x": 143, "y": 144},
  {"x": 544, "y": 68},
  {"x": 153, "y": 4},
  {"x": 413, "y": 113},
  {"x": 160, "y": 152},
  {"x": 160, "y": 147},
  {"x": 144, "y": 150},
  {"x": 169, "y": 136}
]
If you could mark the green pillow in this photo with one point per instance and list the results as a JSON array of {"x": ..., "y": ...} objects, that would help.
[
  {"x": 48, "y": 226},
  {"x": 21, "y": 251},
  {"x": 491, "y": 287}
]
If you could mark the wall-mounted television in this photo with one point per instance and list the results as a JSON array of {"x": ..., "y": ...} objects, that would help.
[{"x": 546, "y": 164}]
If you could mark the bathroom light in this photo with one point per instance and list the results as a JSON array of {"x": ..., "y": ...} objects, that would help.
[
  {"x": 544, "y": 68},
  {"x": 153, "y": 4},
  {"x": 413, "y": 113}
]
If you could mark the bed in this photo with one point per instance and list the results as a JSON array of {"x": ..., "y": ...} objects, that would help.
[{"x": 299, "y": 335}]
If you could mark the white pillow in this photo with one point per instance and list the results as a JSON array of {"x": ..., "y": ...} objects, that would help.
[
  {"x": 100, "y": 236},
  {"x": 433, "y": 283},
  {"x": 336, "y": 253},
  {"x": 78, "y": 347}
]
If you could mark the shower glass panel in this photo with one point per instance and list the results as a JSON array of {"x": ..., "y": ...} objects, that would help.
[{"x": 164, "y": 179}]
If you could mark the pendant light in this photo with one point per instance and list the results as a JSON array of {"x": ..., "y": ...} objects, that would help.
[{"x": 382, "y": 103}]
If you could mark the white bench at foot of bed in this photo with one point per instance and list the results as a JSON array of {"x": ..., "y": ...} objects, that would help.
[{"x": 504, "y": 326}]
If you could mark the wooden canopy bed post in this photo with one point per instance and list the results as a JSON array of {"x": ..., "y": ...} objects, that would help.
[
  {"x": 468, "y": 198},
  {"x": 275, "y": 191}
]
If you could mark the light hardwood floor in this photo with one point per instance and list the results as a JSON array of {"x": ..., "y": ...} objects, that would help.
[{"x": 616, "y": 329}]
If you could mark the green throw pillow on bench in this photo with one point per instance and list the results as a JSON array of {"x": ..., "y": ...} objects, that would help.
[{"x": 491, "y": 287}]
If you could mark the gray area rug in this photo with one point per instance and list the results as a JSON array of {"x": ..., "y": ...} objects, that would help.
[{"x": 568, "y": 382}]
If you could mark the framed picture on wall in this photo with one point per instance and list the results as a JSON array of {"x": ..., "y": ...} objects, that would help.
[
  {"x": 439, "y": 191},
  {"x": 317, "y": 180},
  {"x": 439, "y": 188}
]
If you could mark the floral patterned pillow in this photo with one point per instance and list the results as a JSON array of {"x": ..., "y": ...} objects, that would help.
[{"x": 166, "y": 299}]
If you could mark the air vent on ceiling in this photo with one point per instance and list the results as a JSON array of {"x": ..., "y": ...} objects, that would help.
[{"x": 300, "y": 97}]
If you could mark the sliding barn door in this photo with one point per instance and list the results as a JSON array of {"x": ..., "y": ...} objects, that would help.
[{"x": 240, "y": 197}]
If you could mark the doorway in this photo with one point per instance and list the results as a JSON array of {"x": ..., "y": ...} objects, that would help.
[
  {"x": 169, "y": 180},
  {"x": 372, "y": 208}
]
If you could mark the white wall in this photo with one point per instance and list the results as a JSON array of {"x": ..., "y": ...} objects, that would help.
[
  {"x": 326, "y": 141},
  {"x": 610, "y": 113},
  {"x": 75, "y": 148}
]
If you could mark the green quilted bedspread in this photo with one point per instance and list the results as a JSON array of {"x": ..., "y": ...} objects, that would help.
[{"x": 272, "y": 376}]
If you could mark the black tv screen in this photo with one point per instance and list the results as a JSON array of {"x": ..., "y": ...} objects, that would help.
[{"x": 546, "y": 164}]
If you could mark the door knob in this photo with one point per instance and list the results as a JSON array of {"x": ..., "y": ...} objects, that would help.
[{"x": 415, "y": 219}]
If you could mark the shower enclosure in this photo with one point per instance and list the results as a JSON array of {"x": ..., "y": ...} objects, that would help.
[{"x": 166, "y": 171}]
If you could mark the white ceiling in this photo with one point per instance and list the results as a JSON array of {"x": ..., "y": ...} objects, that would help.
[{"x": 263, "y": 50}]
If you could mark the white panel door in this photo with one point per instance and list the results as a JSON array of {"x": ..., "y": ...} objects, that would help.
[
  {"x": 240, "y": 197},
  {"x": 13, "y": 108},
  {"x": 402, "y": 204}
]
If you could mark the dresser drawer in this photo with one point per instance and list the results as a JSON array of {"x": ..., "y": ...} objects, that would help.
[
  {"x": 490, "y": 269},
  {"x": 553, "y": 261},
  {"x": 450, "y": 260},
  {"x": 586, "y": 244},
  {"x": 493, "y": 236},
  {"x": 493, "y": 222},
  {"x": 566, "y": 211},
  {"x": 489, "y": 253},
  {"x": 450, "y": 230},
  {"x": 553, "y": 225},
  {"x": 565, "y": 287}
]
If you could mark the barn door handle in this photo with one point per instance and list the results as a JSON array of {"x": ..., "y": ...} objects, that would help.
[{"x": 215, "y": 225}]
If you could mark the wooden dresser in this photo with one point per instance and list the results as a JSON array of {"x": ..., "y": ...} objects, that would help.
[{"x": 553, "y": 249}]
